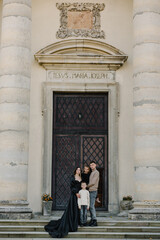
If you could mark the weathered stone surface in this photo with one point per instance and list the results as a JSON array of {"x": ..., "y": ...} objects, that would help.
[
  {"x": 126, "y": 205},
  {"x": 143, "y": 6},
  {"x": 15, "y": 61},
  {"x": 145, "y": 210},
  {"x": 123, "y": 213},
  {"x": 17, "y": 9},
  {"x": 14, "y": 81},
  {"x": 47, "y": 208},
  {"x": 147, "y": 214},
  {"x": 16, "y": 215},
  {"x": 15, "y": 74},
  {"x": 14, "y": 95},
  {"x": 24, "y": 2},
  {"x": 146, "y": 103},
  {"x": 147, "y": 204},
  {"x": 19, "y": 36},
  {"x": 80, "y": 20},
  {"x": 15, "y": 210}
]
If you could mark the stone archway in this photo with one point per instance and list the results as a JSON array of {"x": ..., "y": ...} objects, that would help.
[{"x": 83, "y": 66}]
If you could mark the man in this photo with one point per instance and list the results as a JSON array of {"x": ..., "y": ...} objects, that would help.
[{"x": 93, "y": 187}]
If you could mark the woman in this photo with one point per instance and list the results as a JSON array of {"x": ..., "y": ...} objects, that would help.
[{"x": 70, "y": 218}]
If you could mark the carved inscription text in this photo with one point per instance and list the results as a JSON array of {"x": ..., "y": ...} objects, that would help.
[{"x": 80, "y": 75}]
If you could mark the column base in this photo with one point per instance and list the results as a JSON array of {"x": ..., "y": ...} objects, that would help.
[
  {"x": 15, "y": 210},
  {"x": 148, "y": 210}
]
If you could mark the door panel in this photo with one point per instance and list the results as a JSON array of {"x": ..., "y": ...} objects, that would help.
[
  {"x": 66, "y": 159},
  {"x": 80, "y": 111},
  {"x": 93, "y": 148}
]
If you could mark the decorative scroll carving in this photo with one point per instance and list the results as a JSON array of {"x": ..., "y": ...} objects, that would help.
[{"x": 66, "y": 30}]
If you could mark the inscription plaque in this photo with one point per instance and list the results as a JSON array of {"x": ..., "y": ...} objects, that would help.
[
  {"x": 81, "y": 75},
  {"x": 80, "y": 20}
]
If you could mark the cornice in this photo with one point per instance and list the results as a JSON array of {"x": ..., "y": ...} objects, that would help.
[{"x": 81, "y": 52}]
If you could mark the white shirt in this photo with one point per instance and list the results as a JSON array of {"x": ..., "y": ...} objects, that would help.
[{"x": 84, "y": 199}]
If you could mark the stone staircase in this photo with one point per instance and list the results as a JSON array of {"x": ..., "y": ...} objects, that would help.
[{"x": 107, "y": 229}]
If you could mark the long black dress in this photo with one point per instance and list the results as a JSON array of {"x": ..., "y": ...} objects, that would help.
[{"x": 70, "y": 218}]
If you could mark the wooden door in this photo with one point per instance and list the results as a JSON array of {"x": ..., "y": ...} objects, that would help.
[{"x": 80, "y": 130}]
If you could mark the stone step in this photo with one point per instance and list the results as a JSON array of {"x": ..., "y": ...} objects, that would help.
[
  {"x": 98, "y": 213},
  {"x": 114, "y": 235},
  {"x": 130, "y": 223},
  {"x": 83, "y": 235},
  {"x": 102, "y": 238},
  {"x": 119, "y": 229},
  {"x": 83, "y": 229},
  {"x": 100, "y": 223},
  {"x": 22, "y": 228},
  {"x": 72, "y": 238},
  {"x": 23, "y": 222}
]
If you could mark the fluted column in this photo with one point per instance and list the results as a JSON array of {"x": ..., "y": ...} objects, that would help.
[
  {"x": 146, "y": 60},
  {"x": 15, "y": 74}
]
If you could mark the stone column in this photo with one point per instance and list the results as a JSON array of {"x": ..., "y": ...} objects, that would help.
[
  {"x": 146, "y": 75},
  {"x": 15, "y": 74}
]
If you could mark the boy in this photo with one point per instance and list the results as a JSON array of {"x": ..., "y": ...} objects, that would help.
[{"x": 83, "y": 204}]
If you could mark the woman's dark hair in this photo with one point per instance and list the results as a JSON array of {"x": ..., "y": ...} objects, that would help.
[{"x": 76, "y": 170}]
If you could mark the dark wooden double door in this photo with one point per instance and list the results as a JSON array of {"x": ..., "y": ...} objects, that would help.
[{"x": 80, "y": 135}]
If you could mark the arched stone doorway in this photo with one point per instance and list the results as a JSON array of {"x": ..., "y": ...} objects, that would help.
[{"x": 81, "y": 68}]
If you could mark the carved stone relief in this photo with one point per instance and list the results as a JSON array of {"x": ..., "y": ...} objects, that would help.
[{"x": 80, "y": 20}]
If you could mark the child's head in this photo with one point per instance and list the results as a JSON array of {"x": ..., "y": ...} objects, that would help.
[
  {"x": 83, "y": 185},
  {"x": 86, "y": 169}
]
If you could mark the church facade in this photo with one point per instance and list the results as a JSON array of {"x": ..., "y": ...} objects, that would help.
[{"x": 79, "y": 81}]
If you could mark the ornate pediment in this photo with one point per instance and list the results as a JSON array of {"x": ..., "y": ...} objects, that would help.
[{"x": 81, "y": 51}]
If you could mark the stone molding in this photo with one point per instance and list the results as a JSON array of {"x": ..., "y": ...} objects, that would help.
[
  {"x": 81, "y": 51},
  {"x": 47, "y": 109},
  {"x": 147, "y": 204},
  {"x": 149, "y": 210},
  {"x": 94, "y": 8},
  {"x": 14, "y": 203},
  {"x": 15, "y": 210}
]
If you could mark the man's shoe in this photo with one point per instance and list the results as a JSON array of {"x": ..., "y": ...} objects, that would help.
[
  {"x": 81, "y": 225},
  {"x": 94, "y": 223},
  {"x": 85, "y": 224},
  {"x": 90, "y": 223}
]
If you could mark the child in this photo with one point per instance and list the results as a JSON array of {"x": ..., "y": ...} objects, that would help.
[{"x": 83, "y": 204}]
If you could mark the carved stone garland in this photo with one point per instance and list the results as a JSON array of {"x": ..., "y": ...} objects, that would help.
[{"x": 94, "y": 32}]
